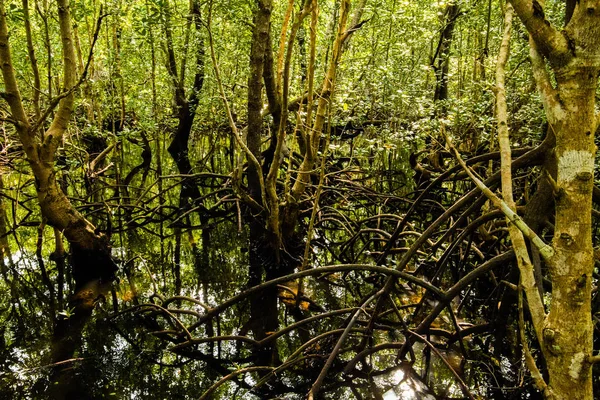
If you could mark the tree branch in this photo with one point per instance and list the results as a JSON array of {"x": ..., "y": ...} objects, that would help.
[
  {"x": 328, "y": 85},
  {"x": 56, "y": 100},
  {"x": 536, "y": 306},
  {"x": 550, "y": 41},
  {"x": 542, "y": 80},
  {"x": 65, "y": 107},
  {"x": 546, "y": 250},
  {"x": 537, "y": 376},
  {"x": 11, "y": 88}
]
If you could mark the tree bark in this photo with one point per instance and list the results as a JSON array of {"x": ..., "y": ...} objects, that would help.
[
  {"x": 568, "y": 332},
  {"x": 573, "y": 55},
  {"x": 442, "y": 55},
  {"x": 186, "y": 106},
  {"x": 264, "y": 250},
  {"x": 92, "y": 266}
]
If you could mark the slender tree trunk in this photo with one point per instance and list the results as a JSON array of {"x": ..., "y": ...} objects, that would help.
[
  {"x": 186, "y": 113},
  {"x": 441, "y": 59},
  {"x": 186, "y": 106}
]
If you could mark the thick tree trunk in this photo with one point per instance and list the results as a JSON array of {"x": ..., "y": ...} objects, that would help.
[
  {"x": 568, "y": 331},
  {"x": 264, "y": 249}
]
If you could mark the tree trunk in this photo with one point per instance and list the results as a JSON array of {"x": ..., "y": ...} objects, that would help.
[
  {"x": 186, "y": 106},
  {"x": 443, "y": 53},
  {"x": 566, "y": 332},
  {"x": 92, "y": 266},
  {"x": 264, "y": 252}
]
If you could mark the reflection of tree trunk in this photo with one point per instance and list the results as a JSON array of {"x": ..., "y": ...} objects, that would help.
[
  {"x": 263, "y": 309},
  {"x": 5, "y": 254},
  {"x": 92, "y": 266},
  {"x": 144, "y": 167},
  {"x": 186, "y": 112},
  {"x": 127, "y": 198},
  {"x": 6, "y": 261},
  {"x": 177, "y": 260}
]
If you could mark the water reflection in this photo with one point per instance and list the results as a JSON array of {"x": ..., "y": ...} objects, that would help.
[{"x": 401, "y": 385}]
